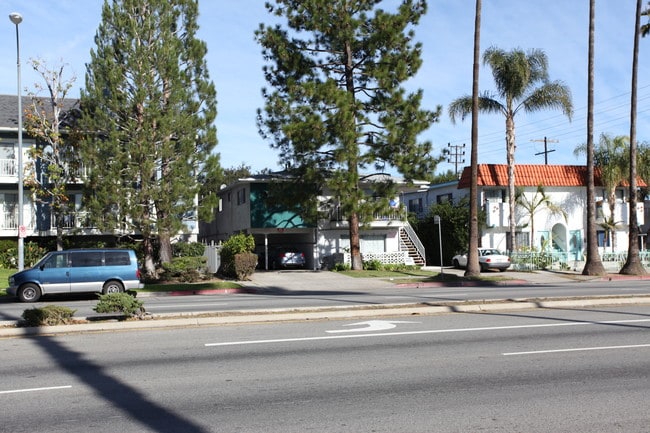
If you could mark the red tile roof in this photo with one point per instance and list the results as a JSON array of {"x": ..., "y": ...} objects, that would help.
[{"x": 532, "y": 175}]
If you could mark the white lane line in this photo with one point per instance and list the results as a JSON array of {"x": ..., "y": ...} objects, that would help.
[
  {"x": 431, "y": 331},
  {"x": 577, "y": 349},
  {"x": 49, "y": 388}
]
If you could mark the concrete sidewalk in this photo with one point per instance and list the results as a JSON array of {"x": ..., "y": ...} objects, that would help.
[{"x": 323, "y": 281}]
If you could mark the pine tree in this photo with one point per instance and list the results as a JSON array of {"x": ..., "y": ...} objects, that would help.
[
  {"x": 148, "y": 110},
  {"x": 336, "y": 107}
]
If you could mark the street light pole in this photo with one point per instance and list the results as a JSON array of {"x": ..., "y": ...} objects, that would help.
[
  {"x": 16, "y": 18},
  {"x": 436, "y": 220}
]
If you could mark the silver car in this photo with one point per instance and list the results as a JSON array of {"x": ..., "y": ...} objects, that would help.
[
  {"x": 488, "y": 258},
  {"x": 287, "y": 257}
]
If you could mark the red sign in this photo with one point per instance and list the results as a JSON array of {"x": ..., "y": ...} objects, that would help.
[{"x": 22, "y": 232}]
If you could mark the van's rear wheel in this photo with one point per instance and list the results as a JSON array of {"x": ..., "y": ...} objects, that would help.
[
  {"x": 112, "y": 287},
  {"x": 29, "y": 293}
]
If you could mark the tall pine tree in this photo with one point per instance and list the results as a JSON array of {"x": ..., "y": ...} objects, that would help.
[
  {"x": 336, "y": 107},
  {"x": 148, "y": 112}
]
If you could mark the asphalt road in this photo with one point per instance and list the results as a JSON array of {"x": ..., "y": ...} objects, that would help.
[
  {"x": 289, "y": 290},
  {"x": 529, "y": 371}
]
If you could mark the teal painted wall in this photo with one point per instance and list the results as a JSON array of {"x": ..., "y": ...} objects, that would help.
[{"x": 265, "y": 216}]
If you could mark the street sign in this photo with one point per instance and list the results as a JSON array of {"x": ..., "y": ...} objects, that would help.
[{"x": 22, "y": 232}]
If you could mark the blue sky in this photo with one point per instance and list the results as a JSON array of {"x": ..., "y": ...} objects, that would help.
[{"x": 63, "y": 32}]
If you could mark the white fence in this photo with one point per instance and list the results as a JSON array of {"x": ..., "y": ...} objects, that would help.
[{"x": 213, "y": 255}]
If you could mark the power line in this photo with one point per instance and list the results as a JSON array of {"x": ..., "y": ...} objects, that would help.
[
  {"x": 546, "y": 151},
  {"x": 455, "y": 155}
]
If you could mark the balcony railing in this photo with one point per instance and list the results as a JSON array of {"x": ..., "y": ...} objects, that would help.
[
  {"x": 72, "y": 220},
  {"x": 8, "y": 167},
  {"x": 396, "y": 215},
  {"x": 9, "y": 221}
]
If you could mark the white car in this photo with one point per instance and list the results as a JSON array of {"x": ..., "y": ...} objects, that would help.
[{"x": 488, "y": 258}]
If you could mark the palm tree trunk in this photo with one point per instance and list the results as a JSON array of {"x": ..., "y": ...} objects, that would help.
[
  {"x": 473, "y": 269},
  {"x": 510, "y": 159},
  {"x": 633, "y": 264},
  {"x": 593, "y": 265}
]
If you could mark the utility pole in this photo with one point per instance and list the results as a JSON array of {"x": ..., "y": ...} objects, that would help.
[
  {"x": 546, "y": 151},
  {"x": 455, "y": 154}
]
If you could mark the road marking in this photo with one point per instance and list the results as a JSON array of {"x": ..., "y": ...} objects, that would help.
[
  {"x": 49, "y": 388},
  {"x": 371, "y": 326},
  {"x": 430, "y": 331},
  {"x": 577, "y": 349}
]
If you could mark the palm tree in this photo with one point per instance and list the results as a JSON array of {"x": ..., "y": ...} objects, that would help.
[
  {"x": 633, "y": 264},
  {"x": 611, "y": 159},
  {"x": 473, "y": 269},
  {"x": 535, "y": 204},
  {"x": 593, "y": 264},
  {"x": 610, "y": 226},
  {"x": 522, "y": 84}
]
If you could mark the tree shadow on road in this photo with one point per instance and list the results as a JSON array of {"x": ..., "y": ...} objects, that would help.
[{"x": 116, "y": 393}]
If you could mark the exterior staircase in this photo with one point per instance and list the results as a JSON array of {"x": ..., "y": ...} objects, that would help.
[{"x": 410, "y": 243}]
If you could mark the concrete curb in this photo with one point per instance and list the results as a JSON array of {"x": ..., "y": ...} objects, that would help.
[{"x": 325, "y": 313}]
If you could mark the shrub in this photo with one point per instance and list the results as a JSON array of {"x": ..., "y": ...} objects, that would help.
[
  {"x": 373, "y": 265},
  {"x": 188, "y": 249},
  {"x": 185, "y": 269},
  {"x": 237, "y": 244},
  {"x": 32, "y": 253},
  {"x": 338, "y": 267},
  {"x": 48, "y": 316},
  {"x": 245, "y": 264},
  {"x": 124, "y": 303}
]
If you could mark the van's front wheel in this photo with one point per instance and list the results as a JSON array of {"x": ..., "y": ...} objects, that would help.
[
  {"x": 112, "y": 287},
  {"x": 29, "y": 293}
]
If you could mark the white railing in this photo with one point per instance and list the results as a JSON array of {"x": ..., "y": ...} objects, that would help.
[
  {"x": 417, "y": 243},
  {"x": 9, "y": 221},
  {"x": 8, "y": 167},
  {"x": 72, "y": 220}
]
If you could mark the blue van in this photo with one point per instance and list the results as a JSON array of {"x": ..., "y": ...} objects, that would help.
[{"x": 76, "y": 271}]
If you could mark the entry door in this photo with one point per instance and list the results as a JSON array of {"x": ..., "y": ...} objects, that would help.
[{"x": 55, "y": 274}]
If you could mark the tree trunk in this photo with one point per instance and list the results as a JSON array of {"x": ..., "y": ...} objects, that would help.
[
  {"x": 510, "y": 159},
  {"x": 355, "y": 244},
  {"x": 593, "y": 264},
  {"x": 612, "y": 209},
  {"x": 58, "y": 220},
  {"x": 633, "y": 264},
  {"x": 165, "y": 247},
  {"x": 149, "y": 265},
  {"x": 473, "y": 269}
]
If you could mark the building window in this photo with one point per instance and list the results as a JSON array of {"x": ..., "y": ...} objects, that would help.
[
  {"x": 241, "y": 196},
  {"x": 444, "y": 198},
  {"x": 521, "y": 238},
  {"x": 603, "y": 239},
  {"x": 494, "y": 195},
  {"x": 599, "y": 209},
  {"x": 415, "y": 205}
]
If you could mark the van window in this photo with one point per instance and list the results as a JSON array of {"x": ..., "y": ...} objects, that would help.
[
  {"x": 86, "y": 259},
  {"x": 56, "y": 261},
  {"x": 117, "y": 258}
]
